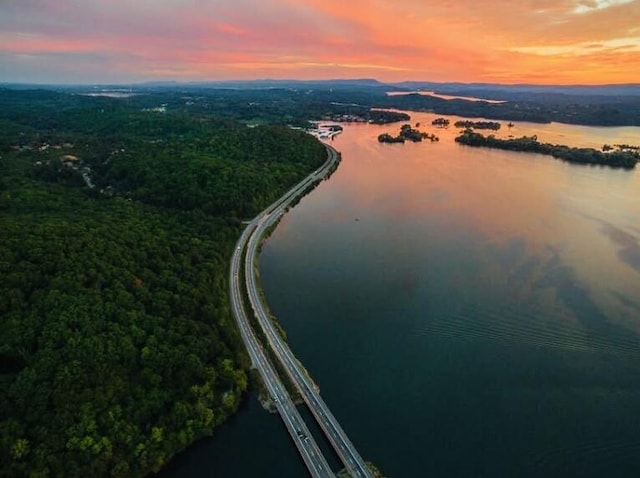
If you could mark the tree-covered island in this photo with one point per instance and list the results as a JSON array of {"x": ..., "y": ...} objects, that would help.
[
  {"x": 626, "y": 158},
  {"x": 407, "y": 133},
  {"x": 494, "y": 125},
  {"x": 441, "y": 122}
]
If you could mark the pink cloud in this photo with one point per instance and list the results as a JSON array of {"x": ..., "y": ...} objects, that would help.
[{"x": 404, "y": 39}]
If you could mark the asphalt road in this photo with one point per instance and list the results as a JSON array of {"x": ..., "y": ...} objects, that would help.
[
  {"x": 334, "y": 433},
  {"x": 306, "y": 445}
]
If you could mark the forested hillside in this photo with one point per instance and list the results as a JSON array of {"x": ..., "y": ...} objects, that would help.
[{"x": 117, "y": 345}]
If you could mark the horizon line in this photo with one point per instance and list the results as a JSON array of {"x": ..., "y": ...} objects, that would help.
[{"x": 317, "y": 80}]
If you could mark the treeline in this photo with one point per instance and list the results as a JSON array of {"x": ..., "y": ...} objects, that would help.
[
  {"x": 610, "y": 112},
  {"x": 613, "y": 159},
  {"x": 407, "y": 133},
  {"x": 441, "y": 122},
  {"x": 296, "y": 104},
  {"x": 117, "y": 344},
  {"x": 477, "y": 124},
  {"x": 385, "y": 117}
]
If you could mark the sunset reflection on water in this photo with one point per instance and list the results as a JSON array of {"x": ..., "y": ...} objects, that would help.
[
  {"x": 482, "y": 303},
  {"x": 550, "y": 207}
]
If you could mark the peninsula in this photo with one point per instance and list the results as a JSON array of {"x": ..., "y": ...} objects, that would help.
[{"x": 621, "y": 157}]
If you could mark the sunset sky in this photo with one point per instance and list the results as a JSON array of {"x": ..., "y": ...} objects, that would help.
[{"x": 502, "y": 41}]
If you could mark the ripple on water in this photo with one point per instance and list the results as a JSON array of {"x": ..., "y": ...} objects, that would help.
[
  {"x": 593, "y": 457},
  {"x": 522, "y": 326}
]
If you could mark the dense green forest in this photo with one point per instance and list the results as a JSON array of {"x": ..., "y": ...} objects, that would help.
[
  {"x": 296, "y": 102},
  {"x": 117, "y": 223},
  {"x": 622, "y": 157},
  {"x": 583, "y": 110},
  {"x": 280, "y": 106}
]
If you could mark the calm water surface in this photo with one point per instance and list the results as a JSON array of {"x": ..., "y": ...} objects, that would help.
[{"x": 465, "y": 312}]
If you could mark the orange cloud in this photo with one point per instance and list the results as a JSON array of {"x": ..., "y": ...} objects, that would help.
[{"x": 537, "y": 41}]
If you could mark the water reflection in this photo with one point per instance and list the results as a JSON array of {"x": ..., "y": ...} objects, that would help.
[
  {"x": 484, "y": 304},
  {"x": 496, "y": 196}
]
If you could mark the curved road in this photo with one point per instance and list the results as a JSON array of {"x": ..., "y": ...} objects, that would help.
[
  {"x": 307, "y": 446},
  {"x": 298, "y": 375}
]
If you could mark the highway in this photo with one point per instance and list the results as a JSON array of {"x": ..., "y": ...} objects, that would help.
[
  {"x": 304, "y": 441},
  {"x": 298, "y": 375}
]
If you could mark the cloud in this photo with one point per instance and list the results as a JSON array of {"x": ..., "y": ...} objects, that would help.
[
  {"x": 585, "y": 48},
  {"x": 586, "y": 6},
  {"x": 404, "y": 39}
]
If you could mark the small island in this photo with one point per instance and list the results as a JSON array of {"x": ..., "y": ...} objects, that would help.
[
  {"x": 626, "y": 157},
  {"x": 441, "y": 122},
  {"x": 407, "y": 133},
  {"x": 478, "y": 124}
]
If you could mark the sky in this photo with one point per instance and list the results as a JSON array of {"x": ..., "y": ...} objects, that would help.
[{"x": 495, "y": 41}]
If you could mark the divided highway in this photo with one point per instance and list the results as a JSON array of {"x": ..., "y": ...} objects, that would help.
[
  {"x": 251, "y": 237},
  {"x": 307, "y": 446}
]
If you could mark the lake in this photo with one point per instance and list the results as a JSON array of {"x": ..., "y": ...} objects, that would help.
[{"x": 465, "y": 311}]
